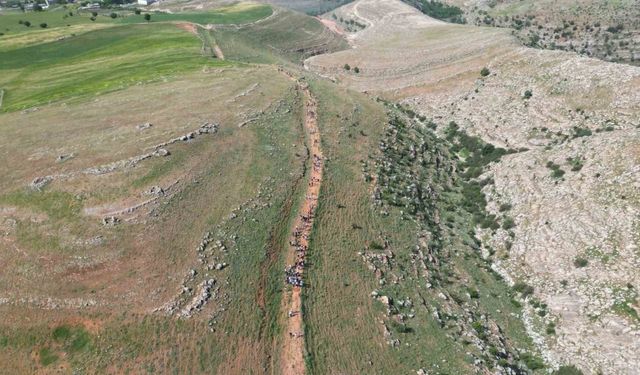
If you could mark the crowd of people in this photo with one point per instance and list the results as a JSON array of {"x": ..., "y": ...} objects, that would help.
[{"x": 300, "y": 235}]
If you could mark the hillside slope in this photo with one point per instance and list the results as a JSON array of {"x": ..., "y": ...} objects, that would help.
[
  {"x": 235, "y": 188},
  {"x": 574, "y": 120},
  {"x": 608, "y": 30}
]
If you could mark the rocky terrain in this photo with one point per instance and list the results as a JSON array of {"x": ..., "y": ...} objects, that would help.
[
  {"x": 602, "y": 29},
  {"x": 567, "y": 202}
]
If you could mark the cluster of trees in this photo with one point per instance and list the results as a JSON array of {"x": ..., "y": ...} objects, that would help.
[
  {"x": 347, "y": 67},
  {"x": 439, "y": 10}
]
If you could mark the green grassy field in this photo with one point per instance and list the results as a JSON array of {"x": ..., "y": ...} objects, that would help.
[
  {"x": 235, "y": 14},
  {"x": 68, "y": 16},
  {"x": 55, "y": 17},
  {"x": 97, "y": 62},
  {"x": 74, "y": 57}
]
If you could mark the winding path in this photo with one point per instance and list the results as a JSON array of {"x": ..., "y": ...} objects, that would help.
[{"x": 292, "y": 351}]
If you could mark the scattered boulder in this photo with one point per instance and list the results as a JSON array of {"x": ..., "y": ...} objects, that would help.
[
  {"x": 40, "y": 182},
  {"x": 208, "y": 128},
  {"x": 161, "y": 152},
  {"x": 63, "y": 158},
  {"x": 144, "y": 126},
  {"x": 110, "y": 220},
  {"x": 155, "y": 190}
]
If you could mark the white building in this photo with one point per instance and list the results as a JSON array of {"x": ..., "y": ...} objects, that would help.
[{"x": 145, "y": 2}]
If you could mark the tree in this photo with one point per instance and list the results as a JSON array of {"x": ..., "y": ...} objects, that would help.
[
  {"x": 95, "y": 14},
  {"x": 43, "y": 25},
  {"x": 147, "y": 17},
  {"x": 37, "y": 8},
  {"x": 113, "y": 15},
  {"x": 528, "y": 94},
  {"x": 485, "y": 72},
  {"x": 27, "y": 23},
  {"x": 347, "y": 67},
  {"x": 137, "y": 11},
  {"x": 356, "y": 70}
]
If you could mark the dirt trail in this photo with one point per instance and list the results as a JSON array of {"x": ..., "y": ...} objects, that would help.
[
  {"x": 292, "y": 351},
  {"x": 206, "y": 40},
  {"x": 332, "y": 25}
]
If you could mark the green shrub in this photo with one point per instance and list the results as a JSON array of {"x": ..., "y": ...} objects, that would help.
[
  {"x": 532, "y": 362},
  {"x": 523, "y": 288},
  {"x": 581, "y": 132},
  {"x": 113, "y": 15},
  {"x": 580, "y": 262},
  {"x": 347, "y": 67},
  {"x": 527, "y": 94},
  {"x": 576, "y": 164},
  {"x": 508, "y": 223},
  {"x": 557, "y": 173},
  {"x": 47, "y": 357},
  {"x": 61, "y": 333},
  {"x": 505, "y": 207},
  {"x": 568, "y": 370},
  {"x": 376, "y": 246},
  {"x": 485, "y": 72},
  {"x": 400, "y": 327},
  {"x": 551, "y": 329}
]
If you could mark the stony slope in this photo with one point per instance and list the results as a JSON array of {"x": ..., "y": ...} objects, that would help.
[
  {"x": 580, "y": 114},
  {"x": 608, "y": 30}
]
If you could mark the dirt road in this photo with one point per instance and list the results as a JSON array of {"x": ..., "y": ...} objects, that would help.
[{"x": 292, "y": 351}]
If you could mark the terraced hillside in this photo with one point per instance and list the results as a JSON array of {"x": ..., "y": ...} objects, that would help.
[{"x": 565, "y": 206}]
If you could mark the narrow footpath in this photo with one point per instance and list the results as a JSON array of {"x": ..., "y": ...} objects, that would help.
[{"x": 292, "y": 351}]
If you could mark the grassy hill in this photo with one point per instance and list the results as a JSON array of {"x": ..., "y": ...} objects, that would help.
[{"x": 153, "y": 172}]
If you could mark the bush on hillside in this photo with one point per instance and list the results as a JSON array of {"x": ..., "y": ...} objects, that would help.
[
  {"x": 580, "y": 262},
  {"x": 523, "y": 288},
  {"x": 568, "y": 370}
]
